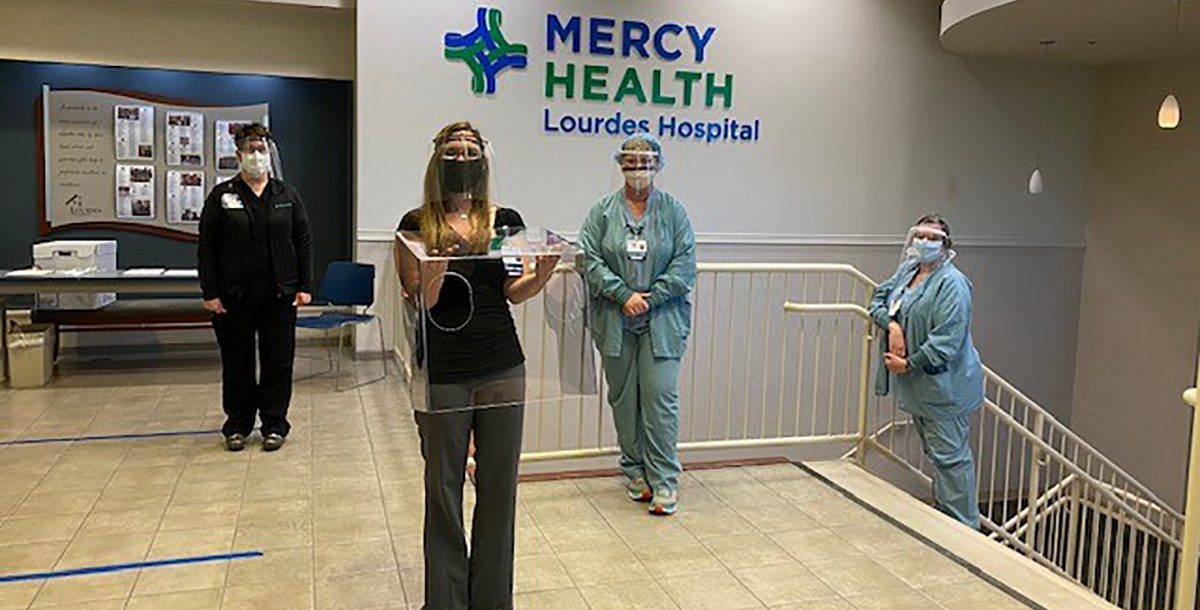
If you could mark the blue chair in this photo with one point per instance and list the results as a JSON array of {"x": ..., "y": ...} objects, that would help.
[{"x": 347, "y": 287}]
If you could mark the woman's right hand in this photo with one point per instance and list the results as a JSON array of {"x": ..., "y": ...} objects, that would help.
[
  {"x": 896, "y": 344},
  {"x": 214, "y": 306},
  {"x": 635, "y": 306}
]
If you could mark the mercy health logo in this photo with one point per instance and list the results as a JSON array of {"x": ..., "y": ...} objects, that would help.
[
  {"x": 632, "y": 75},
  {"x": 485, "y": 51}
]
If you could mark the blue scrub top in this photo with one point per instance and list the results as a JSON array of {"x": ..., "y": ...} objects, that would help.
[{"x": 945, "y": 379}]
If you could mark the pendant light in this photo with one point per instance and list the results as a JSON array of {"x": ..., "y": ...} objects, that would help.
[
  {"x": 1168, "y": 111},
  {"x": 1036, "y": 184}
]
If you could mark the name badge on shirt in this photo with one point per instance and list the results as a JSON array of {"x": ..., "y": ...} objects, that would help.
[
  {"x": 513, "y": 266},
  {"x": 230, "y": 201},
  {"x": 636, "y": 249}
]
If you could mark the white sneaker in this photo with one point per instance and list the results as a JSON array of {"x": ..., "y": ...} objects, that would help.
[
  {"x": 665, "y": 502},
  {"x": 638, "y": 490}
]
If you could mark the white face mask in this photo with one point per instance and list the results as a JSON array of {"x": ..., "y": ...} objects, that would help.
[
  {"x": 639, "y": 179},
  {"x": 255, "y": 164}
]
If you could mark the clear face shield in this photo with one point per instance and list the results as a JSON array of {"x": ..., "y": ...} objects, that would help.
[
  {"x": 460, "y": 170},
  {"x": 456, "y": 293},
  {"x": 638, "y": 163},
  {"x": 926, "y": 244},
  {"x": 276, "y": 160}
]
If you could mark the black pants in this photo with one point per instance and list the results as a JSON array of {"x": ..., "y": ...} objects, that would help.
[
  {"x": 484, "y": 580},
  {"x": 273, "y": 324}
]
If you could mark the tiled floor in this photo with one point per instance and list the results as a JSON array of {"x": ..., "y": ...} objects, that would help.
[{"x": 337, "y": 513}]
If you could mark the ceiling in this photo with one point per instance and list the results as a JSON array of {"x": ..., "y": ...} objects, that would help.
[{"x": 1096, "y": 32}]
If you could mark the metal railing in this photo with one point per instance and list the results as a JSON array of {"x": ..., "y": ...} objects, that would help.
[
  {"x": 1044, "y": 492},
  {"x": 742, "y": 352},
  {"x": 760, "y": 375}
]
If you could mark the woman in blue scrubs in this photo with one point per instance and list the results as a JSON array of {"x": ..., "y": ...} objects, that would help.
[
  {"x": 641, "y": 266},
  {"x": 929, "y": 356}
]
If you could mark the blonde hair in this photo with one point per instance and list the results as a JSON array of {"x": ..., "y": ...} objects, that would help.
[{"x": 435, "y": 228}]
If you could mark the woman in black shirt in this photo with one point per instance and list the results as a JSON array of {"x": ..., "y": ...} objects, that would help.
[{"x": 476, "y": 373}]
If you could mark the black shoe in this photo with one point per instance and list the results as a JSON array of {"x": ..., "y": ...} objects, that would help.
[
  {"x": 272, "y": 442},
  {"x": 235, "y": 442}
]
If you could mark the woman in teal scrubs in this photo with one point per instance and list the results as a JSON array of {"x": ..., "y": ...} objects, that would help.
[
  {"x": 925, "y": 307},
  {"x": 641, "y": 266}
]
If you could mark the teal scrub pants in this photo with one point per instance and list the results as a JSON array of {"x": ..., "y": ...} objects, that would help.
[
  {"x": 947, "y": 445},
  {"x": 644, "y": 394}
]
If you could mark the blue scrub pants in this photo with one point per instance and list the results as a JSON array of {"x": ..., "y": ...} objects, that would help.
[
  {"x": 946, "y": 444},
  {"x": 644, "y": 394}
]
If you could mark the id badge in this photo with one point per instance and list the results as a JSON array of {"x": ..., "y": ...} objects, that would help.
[
  {"x": 230, "y": 201},
  {"x": 636, "y": 249},
  {"x": 513, "y": 266},
  {"x": 895, "y": 307}
]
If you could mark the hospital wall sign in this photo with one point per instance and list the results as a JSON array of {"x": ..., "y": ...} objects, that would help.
[{"x": 662, "y": 88}]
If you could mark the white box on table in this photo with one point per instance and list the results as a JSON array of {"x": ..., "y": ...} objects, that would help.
[{"x": 76, "y": 255}]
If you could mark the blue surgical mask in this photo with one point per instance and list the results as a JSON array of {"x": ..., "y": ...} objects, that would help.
[{"x": 927, "y": 250}]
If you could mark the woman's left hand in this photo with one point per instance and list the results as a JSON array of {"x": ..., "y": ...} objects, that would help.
[
  {"x": 302, "y": 299},
  {"x": 546, "y": 264},
  {"x": 895, "y": 363}
]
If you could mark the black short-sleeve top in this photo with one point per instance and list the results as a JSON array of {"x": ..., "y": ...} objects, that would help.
[{"x": 487, "y": 343}]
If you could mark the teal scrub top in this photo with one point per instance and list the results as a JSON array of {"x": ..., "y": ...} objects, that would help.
[
  {"x": 945, "y": 377},
  {"x": 670, "y": 268}
]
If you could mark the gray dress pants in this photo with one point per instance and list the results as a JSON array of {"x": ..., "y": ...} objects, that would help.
[{"x": 481, "y": 579}]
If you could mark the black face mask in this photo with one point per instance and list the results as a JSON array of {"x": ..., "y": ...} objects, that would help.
[{"x": 461, "y": 176}]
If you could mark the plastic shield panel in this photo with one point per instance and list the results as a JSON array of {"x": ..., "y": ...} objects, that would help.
[{"x": 466, "y": 346}]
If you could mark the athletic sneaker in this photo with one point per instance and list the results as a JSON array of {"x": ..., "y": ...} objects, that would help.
[
  {"x": 638, "y": 490},
  {"x": 665, "y": 502}
]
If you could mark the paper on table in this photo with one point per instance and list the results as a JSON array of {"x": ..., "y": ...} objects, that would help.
[
  {"x": 181, "y": 273},
  {"x": 143, "y": 272},
  {"x": 29, "y": 273}
]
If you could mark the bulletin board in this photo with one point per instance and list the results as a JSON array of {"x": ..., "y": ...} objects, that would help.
[
  {"x": 312, "y": 122},
  {"x": 133, "y": 161}
]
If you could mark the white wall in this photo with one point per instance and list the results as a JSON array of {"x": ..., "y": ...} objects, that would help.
[
  {"x": 206, "y": 35},
  {"x": 867, "y": 124},
  {"x": 1140, "y": 315}
]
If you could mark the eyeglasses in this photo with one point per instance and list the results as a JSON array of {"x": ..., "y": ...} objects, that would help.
[
  {"x": 639, "y": 159},
  {"x": 461, "y": 150}
]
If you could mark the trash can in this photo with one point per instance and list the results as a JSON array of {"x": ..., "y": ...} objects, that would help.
[
  {"x": 16, "y": 317},
  {"x": 31, "y": 355}
]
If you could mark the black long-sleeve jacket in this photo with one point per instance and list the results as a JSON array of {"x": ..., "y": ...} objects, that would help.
[{"x": 228, "y": 255}]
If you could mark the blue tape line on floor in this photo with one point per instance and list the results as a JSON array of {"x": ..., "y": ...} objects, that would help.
[
  {"x": 106, "y": 437},
  {"x": 120, "y": 567}
]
